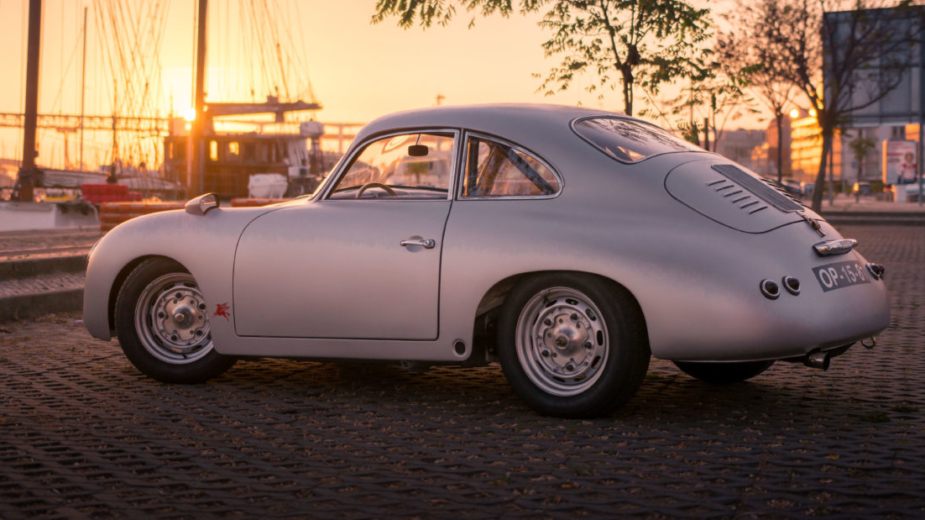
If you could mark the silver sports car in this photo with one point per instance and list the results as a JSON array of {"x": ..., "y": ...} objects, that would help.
[{"x": 568, "y": 244}]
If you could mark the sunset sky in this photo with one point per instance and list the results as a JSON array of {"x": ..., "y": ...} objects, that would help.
[{"x": 358, "y": 71}]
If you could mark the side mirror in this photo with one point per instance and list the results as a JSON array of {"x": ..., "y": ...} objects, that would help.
[
  {"x": 418, "y": 150},
  {"x": 202, "y": 204}
]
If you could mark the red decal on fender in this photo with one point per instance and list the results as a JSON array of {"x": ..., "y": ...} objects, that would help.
[{"x": 222, "y": 310}]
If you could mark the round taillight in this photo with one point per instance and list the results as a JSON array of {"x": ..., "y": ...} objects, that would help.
[
  {"x": 876, "y": 270},
  {"x": 770, "y": 289}
]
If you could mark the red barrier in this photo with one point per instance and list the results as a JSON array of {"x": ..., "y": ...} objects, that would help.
[
  {"x": 254, "y": 203},
  {"x": 97, "y": 194},
  {"x": 114, "y": 213}
]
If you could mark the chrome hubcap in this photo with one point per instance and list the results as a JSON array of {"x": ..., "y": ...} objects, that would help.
[
  {"x": 562, "y": 341},
  {"x": 172, "y": 321}
]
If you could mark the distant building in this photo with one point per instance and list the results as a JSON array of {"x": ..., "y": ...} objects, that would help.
[
  {"x": 893, "y": 116},
  {"x": 806, "y": 148},
  {"x": 871, "y": 167}
]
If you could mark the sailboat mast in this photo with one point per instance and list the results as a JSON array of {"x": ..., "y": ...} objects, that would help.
[
  {"x": 83, "y": 90},
  {"x": 195, "y": 183},
  {"x": 27, "y": 171}
]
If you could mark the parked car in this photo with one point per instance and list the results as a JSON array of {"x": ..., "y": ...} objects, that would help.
[
  {"x": 568, "y": 244},
  {"x": 793, "y": 187},
  {"x": 788, "y": 186},
  {"x": 862, "y": 189}
]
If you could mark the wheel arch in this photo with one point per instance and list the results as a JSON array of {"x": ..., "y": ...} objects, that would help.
[
  {"x": 120, "y": 281},
  {"x": 493, "y": 300}
]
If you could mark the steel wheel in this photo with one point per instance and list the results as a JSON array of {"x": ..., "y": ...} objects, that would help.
[
  {"x": 572, "y": 344},
  {"x": 171, "y": 320},
  {"x": 561, "y": 341},
  {"x": 162, "y": 323}
]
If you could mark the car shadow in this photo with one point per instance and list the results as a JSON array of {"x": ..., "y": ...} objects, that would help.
[{"x": 667, "y": 396}]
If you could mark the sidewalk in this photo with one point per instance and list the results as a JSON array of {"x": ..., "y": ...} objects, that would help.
[
  {"x": 42, "y": 271},
  {"x": 868, "y": 205},
  {"x": 870, "y": 211}
]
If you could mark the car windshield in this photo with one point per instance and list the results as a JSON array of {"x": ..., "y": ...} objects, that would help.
[{"x": 629, "y": 141}]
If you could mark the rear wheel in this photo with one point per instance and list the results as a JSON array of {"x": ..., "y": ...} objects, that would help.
[
  {"x": 163, "y": 325},
  {"x": 723, "y": 372},
  {"x": 572, "y": 345}
]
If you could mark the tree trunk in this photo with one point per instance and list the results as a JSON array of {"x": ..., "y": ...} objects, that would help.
[
  {"x": 827, "y": 135},
  {"x": 780, "y": 147},
  {"x": 627, "y": 90}
]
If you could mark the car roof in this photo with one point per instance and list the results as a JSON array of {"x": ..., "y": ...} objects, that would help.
[{"x": 513, "y": 120}]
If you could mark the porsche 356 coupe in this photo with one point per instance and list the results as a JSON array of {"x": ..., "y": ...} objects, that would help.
[{"x": 568, "y": 244}]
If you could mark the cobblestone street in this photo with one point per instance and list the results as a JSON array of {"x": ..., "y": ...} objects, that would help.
[{"x": 83, "y": 434}]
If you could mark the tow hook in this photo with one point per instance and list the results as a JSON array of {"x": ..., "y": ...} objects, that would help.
[{"x": 869, "y": 343}]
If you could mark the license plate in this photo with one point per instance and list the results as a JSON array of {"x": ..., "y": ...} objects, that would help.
[{"x": 841, "y": 274}]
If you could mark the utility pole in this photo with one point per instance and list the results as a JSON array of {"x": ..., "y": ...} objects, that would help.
[
  {"x": 196, "y": 150},
  {"x": 27, "y": 171},
  {"x": 83, "y": 90},
  {"x": 921, "y": 146}
]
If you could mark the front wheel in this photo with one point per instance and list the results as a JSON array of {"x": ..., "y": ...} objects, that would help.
[
  {"x": 572, "y": 345},
  {"x": 163, "y": 325},
  {"x": 723, "y": 372}
]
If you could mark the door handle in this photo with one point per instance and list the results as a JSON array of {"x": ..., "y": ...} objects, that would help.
[{"x": 426, "y": 243}]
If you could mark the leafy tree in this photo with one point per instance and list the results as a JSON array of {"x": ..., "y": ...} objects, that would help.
[
  {"x": 643, "y": 43},
  {"x": 840, "y": 62},
  {"x": 861, "y": 148}
]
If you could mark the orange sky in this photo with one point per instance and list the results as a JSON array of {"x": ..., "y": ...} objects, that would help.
[{"x": 358, "y": 71}]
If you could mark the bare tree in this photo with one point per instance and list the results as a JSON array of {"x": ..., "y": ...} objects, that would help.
[
  {"x": 717, "y": 95},
  {"x": 626, "y": 42},
  {"x": 841, "y": 62},
  {"x": 768, "y": 81}
]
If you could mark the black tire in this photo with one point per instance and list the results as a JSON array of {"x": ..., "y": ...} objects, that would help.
[
  {"x": 724, "y": 373},
  {"x": 533, "y": 368},
  {"x": 157, "y": 360}
]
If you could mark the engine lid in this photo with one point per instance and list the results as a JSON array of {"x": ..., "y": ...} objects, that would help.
[{"x": 733, "y": 196}]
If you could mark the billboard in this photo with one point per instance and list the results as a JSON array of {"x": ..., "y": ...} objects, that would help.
[{"x": 899, "y": 162}]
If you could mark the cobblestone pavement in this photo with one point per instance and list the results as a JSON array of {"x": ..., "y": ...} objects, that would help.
[{"x": 83, "y": 434}]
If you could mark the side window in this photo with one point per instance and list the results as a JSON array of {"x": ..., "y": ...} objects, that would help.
[
  {"x": 495, "y": 169},
  {"x": 402, "y": 166}
]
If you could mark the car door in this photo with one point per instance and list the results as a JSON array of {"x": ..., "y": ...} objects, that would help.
[{"x": 363, "y": 260}]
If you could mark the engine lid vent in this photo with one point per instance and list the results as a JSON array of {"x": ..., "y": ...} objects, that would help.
[{"x": 758, "y": 188}]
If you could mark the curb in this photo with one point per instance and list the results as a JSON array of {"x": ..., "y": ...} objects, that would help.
[
  {"x": 875, "y": 220},
  {"x": 27, "y": 268},
  {"x": 34, "y": 305}
]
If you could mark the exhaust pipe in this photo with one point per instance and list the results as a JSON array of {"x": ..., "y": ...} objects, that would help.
[{"x": 818, "y": 360}]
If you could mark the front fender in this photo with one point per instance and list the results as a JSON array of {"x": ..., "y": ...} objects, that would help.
[{"x": 204, "y": 245}]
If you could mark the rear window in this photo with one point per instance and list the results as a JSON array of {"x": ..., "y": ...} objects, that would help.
[{"x": 629, "y": 141}]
